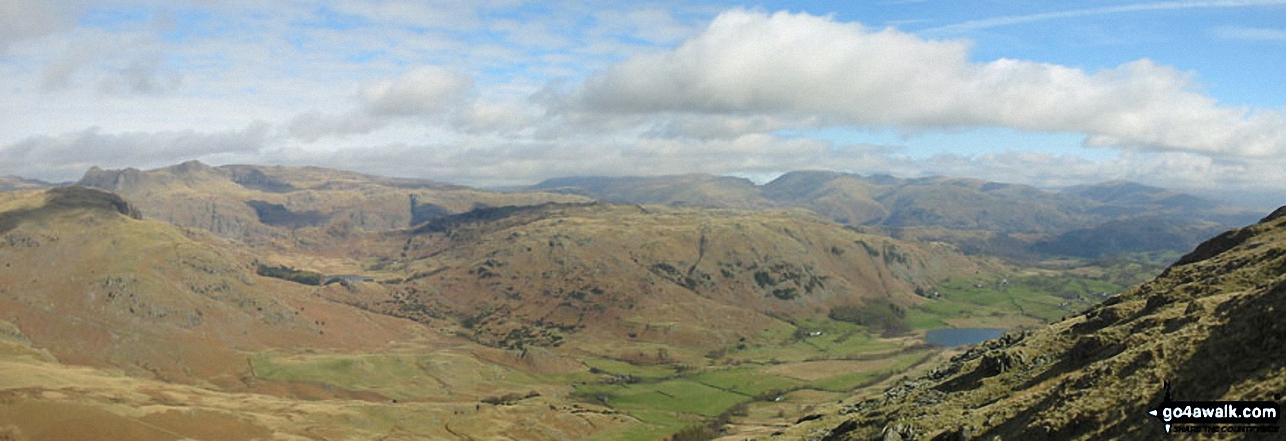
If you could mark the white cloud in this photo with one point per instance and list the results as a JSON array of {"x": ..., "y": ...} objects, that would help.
[
  {"x": 27, "y": 19},
  {"x": 58, "y": 73},
  {"x": 314, "y": 125},
  {"x": 143, "y": 76},
  {"x": 497, "y": 116},
  {"x": 427, "y": 94},
  {"x": 425, "y": 91},
  {"x": 799, "y": 66},
  {"x": 422, "y": 91},
  {"x": 652, "y": 25}
]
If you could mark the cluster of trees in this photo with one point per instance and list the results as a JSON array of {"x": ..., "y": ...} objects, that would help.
[
  {"x": 509, "y": 398},
  {"x": 881, "y": 314},
  {"x": 287, "y": 273}
]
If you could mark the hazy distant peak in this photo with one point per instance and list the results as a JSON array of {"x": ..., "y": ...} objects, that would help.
[
  {"x": 806, "y": 177},
  {"x": 192, "y": 166},
  {"x": 109, "y": 179},
  {"x": 1126, "y": 192},
  {"x": 11, "y": 183}
]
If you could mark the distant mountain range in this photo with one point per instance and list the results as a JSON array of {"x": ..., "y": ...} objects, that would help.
[
  {"x": 260, "y": 203},
  {"x": 979, "y": 216}
]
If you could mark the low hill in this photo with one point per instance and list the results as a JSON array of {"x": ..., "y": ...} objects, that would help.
[{"x": 1209, "y": 325}]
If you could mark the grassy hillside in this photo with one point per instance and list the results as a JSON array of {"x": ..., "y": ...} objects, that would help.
[{"x": 693, "y": 277}]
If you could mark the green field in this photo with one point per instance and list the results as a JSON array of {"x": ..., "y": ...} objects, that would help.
[
  {"x": 1044, "y": 298},
  {"x": 667, "y": 400}
]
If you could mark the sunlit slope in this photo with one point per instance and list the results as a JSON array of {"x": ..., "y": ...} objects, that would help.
[
  {"x": 88, "y": 281},
  {"x": 1210, "y": 325},
  {"x": 41, "y": 399}
]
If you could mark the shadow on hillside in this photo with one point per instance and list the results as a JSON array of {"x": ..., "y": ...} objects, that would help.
[
  {"x": 1248, "y": 345},
  {"x": 67, "y": 198}
]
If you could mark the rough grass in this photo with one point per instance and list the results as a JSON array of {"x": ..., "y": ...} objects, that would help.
[
  {"x": 663, "y": 407},
  {"x": 846, "y": 382},
  {"x": 397, "y": 376},
  {"x": 642, "y": 371},
  {"x": 750, "y": 382}
]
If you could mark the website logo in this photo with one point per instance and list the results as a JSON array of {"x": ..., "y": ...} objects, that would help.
[{"x": 1217, "y": 416}]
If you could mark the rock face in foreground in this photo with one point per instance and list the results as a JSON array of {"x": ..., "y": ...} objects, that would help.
[{"x": 1211, "y": 325}]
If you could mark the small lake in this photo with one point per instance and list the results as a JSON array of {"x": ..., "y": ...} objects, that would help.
[{"x": 952, "y": 337}]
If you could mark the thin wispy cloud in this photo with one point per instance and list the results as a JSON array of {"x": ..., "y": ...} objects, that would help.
[
  {"x": 1250, "y": 34},
  {"x": 1008, "y": 20}
]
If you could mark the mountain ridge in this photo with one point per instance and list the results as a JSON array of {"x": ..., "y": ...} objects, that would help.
[{"x": 262, "y": 204}]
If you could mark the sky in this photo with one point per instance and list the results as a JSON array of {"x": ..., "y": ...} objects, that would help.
[{"x": 1179, "y": 94}]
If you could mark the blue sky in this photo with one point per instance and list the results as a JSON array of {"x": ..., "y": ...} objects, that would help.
[{"x": 1183, "y": 94}]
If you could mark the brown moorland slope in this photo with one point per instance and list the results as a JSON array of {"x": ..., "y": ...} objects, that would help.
[
  {"x": 699, "y": 278},
  {"x": 1210, "y": 325},
  {"x": 84, "y": 278}
]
